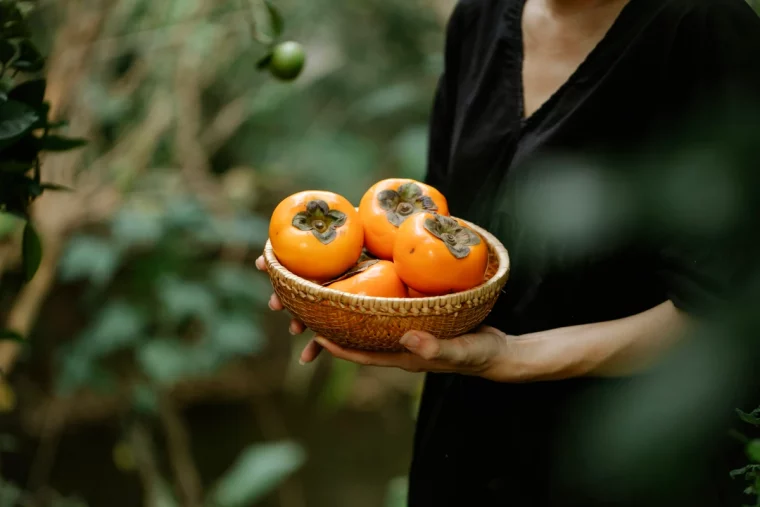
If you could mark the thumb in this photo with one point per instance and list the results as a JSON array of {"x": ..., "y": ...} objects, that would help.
[{"x": 431, "y": 348}]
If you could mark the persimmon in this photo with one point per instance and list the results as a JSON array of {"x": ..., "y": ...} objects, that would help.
[
  {"x": 388, "y": 203},
  {"x": 376, "y": 278},
  {"x": 316, "y": 235},
  {"x": 436, "y": 255},
  {"x": 415, "y": 293}
]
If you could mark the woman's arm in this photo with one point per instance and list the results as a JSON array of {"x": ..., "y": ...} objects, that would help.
[{"x": 614, "y": 348}]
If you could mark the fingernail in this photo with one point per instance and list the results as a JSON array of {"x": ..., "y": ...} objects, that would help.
[
  {"x": 410, "y": 340},
  {"x": 302, "y": 362},
  {"x": 291, "y": 330}
]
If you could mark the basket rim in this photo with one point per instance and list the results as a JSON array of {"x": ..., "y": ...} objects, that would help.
[{"x": 498, "y": 279}]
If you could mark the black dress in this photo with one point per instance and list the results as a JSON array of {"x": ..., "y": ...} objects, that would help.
[{"x": 663, "y": 62}]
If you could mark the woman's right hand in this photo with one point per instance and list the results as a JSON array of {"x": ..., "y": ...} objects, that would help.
[{"x": 296, "y": 327}]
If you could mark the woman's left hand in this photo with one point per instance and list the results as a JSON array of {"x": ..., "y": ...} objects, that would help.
[{"x": 481, "y": 353}]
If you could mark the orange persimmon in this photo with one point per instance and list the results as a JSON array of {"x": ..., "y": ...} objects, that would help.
[
  {"x": 436, "y": 255},
  {"x": 374, "y": 278},
  {"x": 316, "y": 235},
  {"x": 388, "y": 203}
]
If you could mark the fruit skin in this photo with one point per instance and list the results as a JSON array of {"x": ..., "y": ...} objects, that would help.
[
  {"x": 415, "y": 293},
  {"x": 379, "y": 232},
  {"x": 378, "y": 280},
  {"x": 287, "y": 60},
  {"x": 301, "y": 251},
  {"x": 425, "y": 263}
]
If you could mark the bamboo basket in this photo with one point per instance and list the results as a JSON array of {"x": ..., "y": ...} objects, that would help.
[{"x": 377, "y": 324}]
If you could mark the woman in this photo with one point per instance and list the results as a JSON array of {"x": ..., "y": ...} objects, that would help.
[{"x": 524, "y": 80}]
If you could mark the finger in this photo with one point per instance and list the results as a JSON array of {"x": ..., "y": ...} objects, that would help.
[
  {"x": 310, "y": 352},
  {"x": 275, "y": 303},
  {"x": 261, "y": 264},
  {"x": 296, "y": 327},
  {"x": 431, "y": 348},
  {"x": 385, "y": 359}
]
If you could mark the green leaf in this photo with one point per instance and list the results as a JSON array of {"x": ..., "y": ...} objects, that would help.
[
  {"x": 183, "y": 299},
  {"x": 264, "y": 61},
  {"x": 31, "y": 93},
  {"x": 29, "y": 58},
  {"x": 56, "y": 187},
  {"x": 16, "y": 119},
  {"x": 276, "y": 21},
  {"x": 395, "y": 495},
  {"x": 89, "y": 258},
  {"x": 132, "y": 227},
  {"x": 144, "y": 399},
  {"x": 32, "y": 251},
  {"x": 238, "y": 284},
  {"x": 753, "y": 450},
  {"x": 117, "y": 326},
  {"x": 10, "y": 494},
  {"x": 9, "y": 335},
  {"x": 167, "y": 361},
  {"x": 60, "y": 143},
  {"x": 750, "y": 418},
  {"x": 258, "y": 471},
  {"x": 7, "y": 51},
  {"x": 237, "y": 335}
]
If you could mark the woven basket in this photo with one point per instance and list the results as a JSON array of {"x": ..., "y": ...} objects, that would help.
[{"x": 371, "y": 323}]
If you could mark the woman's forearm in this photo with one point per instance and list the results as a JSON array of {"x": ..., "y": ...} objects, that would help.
[{"x": 614, "y": 348}]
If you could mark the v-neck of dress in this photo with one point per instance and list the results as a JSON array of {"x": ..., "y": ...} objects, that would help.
[{"x": 577, "y": 75}]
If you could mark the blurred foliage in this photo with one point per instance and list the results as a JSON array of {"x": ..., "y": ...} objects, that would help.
[
  {"x": 26, "y": 131},
  {"x": 751, "y": 472}
]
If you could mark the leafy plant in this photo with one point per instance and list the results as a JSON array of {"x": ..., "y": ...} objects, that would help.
[
  {"x": 751, "y": 472},
  {"x": 26, "y": 131}
]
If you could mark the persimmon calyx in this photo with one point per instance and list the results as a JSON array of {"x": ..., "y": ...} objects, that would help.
[
  {"x": 457, "y": 239},
  {"x": 404, "y": 202},
  {"x": 320, "y": 220}
]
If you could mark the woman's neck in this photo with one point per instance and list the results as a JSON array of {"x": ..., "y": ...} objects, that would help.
[{"x": 576, "y": 7}]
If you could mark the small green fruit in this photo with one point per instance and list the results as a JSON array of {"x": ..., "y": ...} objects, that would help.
[{"x": 287, "y": 62}]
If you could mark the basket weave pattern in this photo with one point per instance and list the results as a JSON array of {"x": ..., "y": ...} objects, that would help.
[{"x": 370, "y": 323}]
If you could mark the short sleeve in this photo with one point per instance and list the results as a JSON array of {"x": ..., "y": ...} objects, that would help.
[{"x": 716, "y": 65}]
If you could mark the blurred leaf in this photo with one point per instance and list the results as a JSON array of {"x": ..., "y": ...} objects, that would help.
[
  {"x": 55, "y": 187},
  {"x": 144, "y": 399},
  {"x": 162, "y": 495},
  {"x": 276, "y": 23},
  {"x": 32, "y": 251},
  {"x": 185, "y": 213},
  {"x": 251, "y": 230},
  {"x": 167, "y": 361},
  {"x": 10, "y": 494},
  {"x": 79, "y": 370},
  {"x": 130, "y": 227},
  {"x": 29, "y": 58},
  {"x": 31, "y": 93},
  {"x": 750, "y": 418},
  {"x": 258, "y": 471},
  {"x": 16, "y": 119},
  {"x": 12, "y": 336},
  {"x": 8, "y": 224},
  {"x": 236, "y": 334},
  {"x": 753, "y": 450},
  {"x": 7, "y": 51},
  {"x": 388, "y": 101},
  {"x": 263, "y": 63},
  {"x": 410, "y": 149},
  {"x": 117, "y": 326},
  {"x": 60, "y": 143},
  {"x": 183, "y": 299},
  {"x": 395, "y": 495},
  {"x": 238, "y": 283},
  {"x": 89, "y": 258}
]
